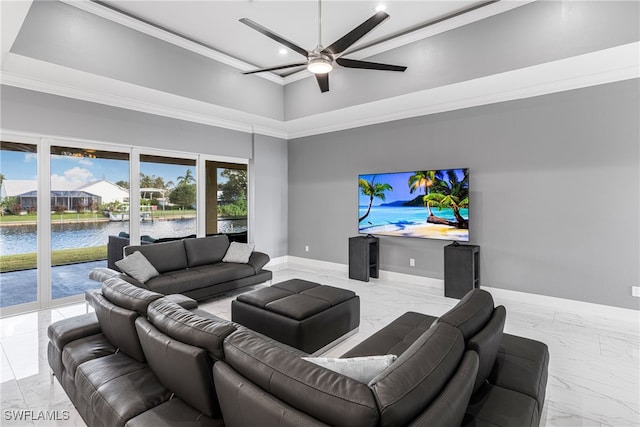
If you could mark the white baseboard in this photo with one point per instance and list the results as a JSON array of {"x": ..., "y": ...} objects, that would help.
[
  {"x": 295, "y": 261},
  {"x": 563, "y": 304},
  {"x": 278, "y": 263},
  {"x": 410, "y": 278},
  {"x": 623, "y": 314}
]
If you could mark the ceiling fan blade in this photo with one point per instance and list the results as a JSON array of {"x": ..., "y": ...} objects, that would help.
[
  {"x": 277, "y": 67},
  {"x": 323, "y": 82},
  {"x": 356, "y": 34},
  {"x": 354, "y": 63},
  {"x": 267, "y": 32}
]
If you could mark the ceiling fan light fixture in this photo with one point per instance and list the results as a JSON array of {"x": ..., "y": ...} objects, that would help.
[{"x": 319, "y": 65}]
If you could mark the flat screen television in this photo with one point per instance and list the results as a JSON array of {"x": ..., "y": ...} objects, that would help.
[{"x": 432, "y": 204}]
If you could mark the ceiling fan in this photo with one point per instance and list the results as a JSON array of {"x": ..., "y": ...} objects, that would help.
[{"x": 320, "y": 60}]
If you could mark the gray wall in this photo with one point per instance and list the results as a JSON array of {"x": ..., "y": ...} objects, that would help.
[
  {"x": 50, "y": 115},
  {"x": 64, "y": 35},
  {"x": 554, "y": 180},
  {"x": 536, "y": 33},
  {"x": 269, "y": 166}
]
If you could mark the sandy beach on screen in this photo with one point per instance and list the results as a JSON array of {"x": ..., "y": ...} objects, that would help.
[{"x": 434, "y": 231}]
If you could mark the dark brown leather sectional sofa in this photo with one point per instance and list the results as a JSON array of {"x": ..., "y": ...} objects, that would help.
[{"x": 144, "y": 360}]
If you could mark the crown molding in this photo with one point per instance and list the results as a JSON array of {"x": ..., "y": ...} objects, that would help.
[
  {"x": 606, "y": 66},
  {"x": 167, "y": 36},
  {"x": 32, "y": 74}
]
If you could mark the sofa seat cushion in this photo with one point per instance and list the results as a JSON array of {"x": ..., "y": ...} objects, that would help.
[
  {"x": 181, "y": 281},
  {"x": 118, "y": 388},
  {"x": 84, "y": 349},
  {"x": 67, "y": 330},
  {"x": 172, "y": 413},
  {"x": 225, "y": 272},
  {"x": 522, "y": 365},
  {"x": 494, "y": 406},
  {"x": 394, "y": 338}
]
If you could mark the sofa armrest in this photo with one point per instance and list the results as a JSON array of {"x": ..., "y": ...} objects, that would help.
[
  {"x": 258, "y": 260},
  {"x": 65, "y": 331},
  {"x": 114, "y": 250}
]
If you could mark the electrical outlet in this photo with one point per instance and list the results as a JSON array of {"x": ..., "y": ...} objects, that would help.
[
  {"x": 306, "y": 248},
  {"x": 412, "y": 262},
  {"x": 635, "y": 291}
]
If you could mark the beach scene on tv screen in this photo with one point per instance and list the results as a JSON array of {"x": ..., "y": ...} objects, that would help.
[{"x": 426, "y": 204}]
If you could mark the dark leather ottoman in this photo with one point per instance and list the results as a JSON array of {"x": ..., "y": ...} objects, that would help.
[{"x": 299, "y": 313}]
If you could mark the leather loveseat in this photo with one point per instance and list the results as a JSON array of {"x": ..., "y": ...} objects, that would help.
[
  {"x": 173, "y": 366},
  {"x": 194, "y": 267}
]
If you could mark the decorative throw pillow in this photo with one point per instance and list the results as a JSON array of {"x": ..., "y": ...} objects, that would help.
[
  {"x": 362, "y": 369},
  {"x": 238, "y": 252},
  {"x": 138, "y": 267}
]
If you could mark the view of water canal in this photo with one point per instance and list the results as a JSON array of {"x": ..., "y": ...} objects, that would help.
[{"x": 16, "y": 239}]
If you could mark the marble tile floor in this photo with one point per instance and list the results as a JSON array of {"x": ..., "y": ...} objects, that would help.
[{"x": 594, "y": 371}]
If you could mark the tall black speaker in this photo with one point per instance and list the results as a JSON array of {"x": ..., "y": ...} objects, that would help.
[
  {"x": 461, "y": 269},
  {"x": 363, "y": 257}
]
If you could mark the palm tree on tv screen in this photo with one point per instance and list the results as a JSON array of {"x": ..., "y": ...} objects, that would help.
[
  {"x": 422, "y": 180},
  {"x": 373, "y": 190},
  {"x": 449, "y": 192}
]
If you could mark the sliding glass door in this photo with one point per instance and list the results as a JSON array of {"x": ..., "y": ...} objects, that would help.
[
  {"x": 89, "y": 202},
  {"x": 18, "y": 224},
  {"x": 168, "y": 202},
  {"x": 227, "y": 199},
  {"x": 60, "y": 202}
]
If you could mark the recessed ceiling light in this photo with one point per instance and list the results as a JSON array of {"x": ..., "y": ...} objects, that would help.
[
  {"x": 380, "y": 7},
  {"x": 283, "y": 51}
]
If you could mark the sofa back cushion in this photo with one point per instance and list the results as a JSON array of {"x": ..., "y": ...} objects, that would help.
[
  {"x": 184, "y": 369},
  {"x": 449, "y": 408},
  {"x": 481, "y": 326},
  {"x": 126, "y": 295},
  {"x": 487, "y": 343},
  {"x": 206, "y": 250},
  {"x": 417, "y": 377},
  {"x": 168, "y": 256},
  {"x": 190, "y": 328},
  {"x": 471, "y": 313},
  {"x": 118, "y": 325},
  {"x": 319, "y": 392}
]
